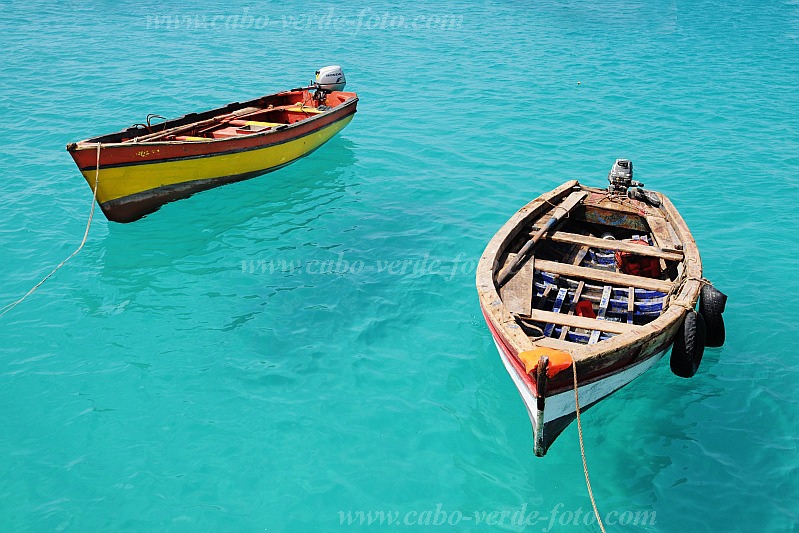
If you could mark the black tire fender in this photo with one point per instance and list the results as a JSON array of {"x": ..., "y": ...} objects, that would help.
[
  {"x": 711, "y": 306},
  {"x": 689, "y": 346}
]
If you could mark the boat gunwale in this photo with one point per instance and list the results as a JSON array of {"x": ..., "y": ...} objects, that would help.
[
  {"x": 92, "y": 142},
  {"x": 236, "y": 149}
]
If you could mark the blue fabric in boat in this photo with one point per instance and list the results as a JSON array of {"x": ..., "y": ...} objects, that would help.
[
  {"x": 643, "y": 307},
  {"x": 582, "y": 338},
  {"x": 560, "y": 299},
  {"x": 602, "y": 257},
  {"x": 542, "y": 278}
]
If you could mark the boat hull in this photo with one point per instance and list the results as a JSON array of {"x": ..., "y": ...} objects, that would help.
[
  {"x": 136, "y": 179},
  {"x": 560, "y": 409},
  {"x": 553, "y": 411},
  {"x": 539, "y": 348}
]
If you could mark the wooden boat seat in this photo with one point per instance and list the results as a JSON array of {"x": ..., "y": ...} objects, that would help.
[
  {"x": 298, "y": 109},
  {"x": 574, "y": 321},
  {"x": 189, "y": 138},
  {"x": 225, "y": 133},
  {"x": 604, "y": 276},
  {"x": 255, "y": 124},
  {"x": 605, "y": 244},
  {"x": 245, "y": 129}
]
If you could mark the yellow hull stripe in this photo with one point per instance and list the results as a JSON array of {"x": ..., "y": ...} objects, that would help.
[{"x": 124, "y": 181}]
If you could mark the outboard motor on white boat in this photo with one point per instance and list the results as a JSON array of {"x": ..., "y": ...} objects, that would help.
[
  {"x": 622, "y": 183},
  {"x": 621, "y": 177}
]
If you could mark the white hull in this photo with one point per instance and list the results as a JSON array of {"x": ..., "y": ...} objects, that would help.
[{"x": 562, "y": 404}]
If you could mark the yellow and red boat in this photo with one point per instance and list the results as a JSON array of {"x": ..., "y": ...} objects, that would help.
[{"x": 145, "y": 166}]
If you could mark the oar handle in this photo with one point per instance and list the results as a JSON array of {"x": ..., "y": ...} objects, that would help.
[{"x": 565, "y": 208}]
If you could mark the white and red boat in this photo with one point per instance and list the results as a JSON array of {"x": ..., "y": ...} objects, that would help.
[{"x": 603, "y": 281}]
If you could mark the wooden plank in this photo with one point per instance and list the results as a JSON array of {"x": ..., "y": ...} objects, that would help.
[
  {"x": 577, "y": 293},
  {"x": 612, "y": 214},
  {"x": 517, "y": 293},
  {"x": 579, "y": 256},
  {"x": 565, "y": 346},
  {"x": 152, "y": 137},
  {"x": 580, "y": 322},
  {"x": 603, "y": 276},
  {"x": 630, "y": 304},
  {"x": 674, "y": 238},
  {"x": 661, "y": 233},
  {"x": 565, "y": 207},
  {"x": 606, "y": 244},
  {"x": 556, "y": 309},
  {"x": 545, "y": 295},
  {"x": 603, "y": 309}
]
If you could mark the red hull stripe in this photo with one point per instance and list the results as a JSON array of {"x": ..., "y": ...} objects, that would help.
[
  {"x": 126, "y": 155},
  {"x": 561, "y": 383},
  {"x": 511, "y": 355}
]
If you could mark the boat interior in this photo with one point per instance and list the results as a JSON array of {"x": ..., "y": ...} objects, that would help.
[
  {"x": 605, "y": 270},
  {"x": 237, "y": 119}
]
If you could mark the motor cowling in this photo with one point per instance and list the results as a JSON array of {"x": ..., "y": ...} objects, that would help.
[
  {"x": 330, "y": 79},
  {"x": 621, "y": 177}
]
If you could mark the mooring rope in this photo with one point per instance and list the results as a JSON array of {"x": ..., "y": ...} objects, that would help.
[
  {"x": 582, "y": 448},
  {"x": 677, "y": 289},
  {"x": 12, "y": 305}
]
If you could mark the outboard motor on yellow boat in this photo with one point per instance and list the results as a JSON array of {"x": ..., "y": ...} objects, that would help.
[
  {"x": 328, "y": 79},
  {"x": 622, "y": 183}
]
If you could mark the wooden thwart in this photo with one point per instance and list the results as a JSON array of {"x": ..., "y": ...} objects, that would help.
[
  {"x": 558, "y": 344},
  {"x": 574, "y": 321},
  {"x": 603, "y": 276},
  {"x": 219, "y": 119},
  {"x": 605, "y": 244}
]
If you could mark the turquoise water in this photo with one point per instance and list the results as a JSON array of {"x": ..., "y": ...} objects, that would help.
[{"x": 162, "y": 382}]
